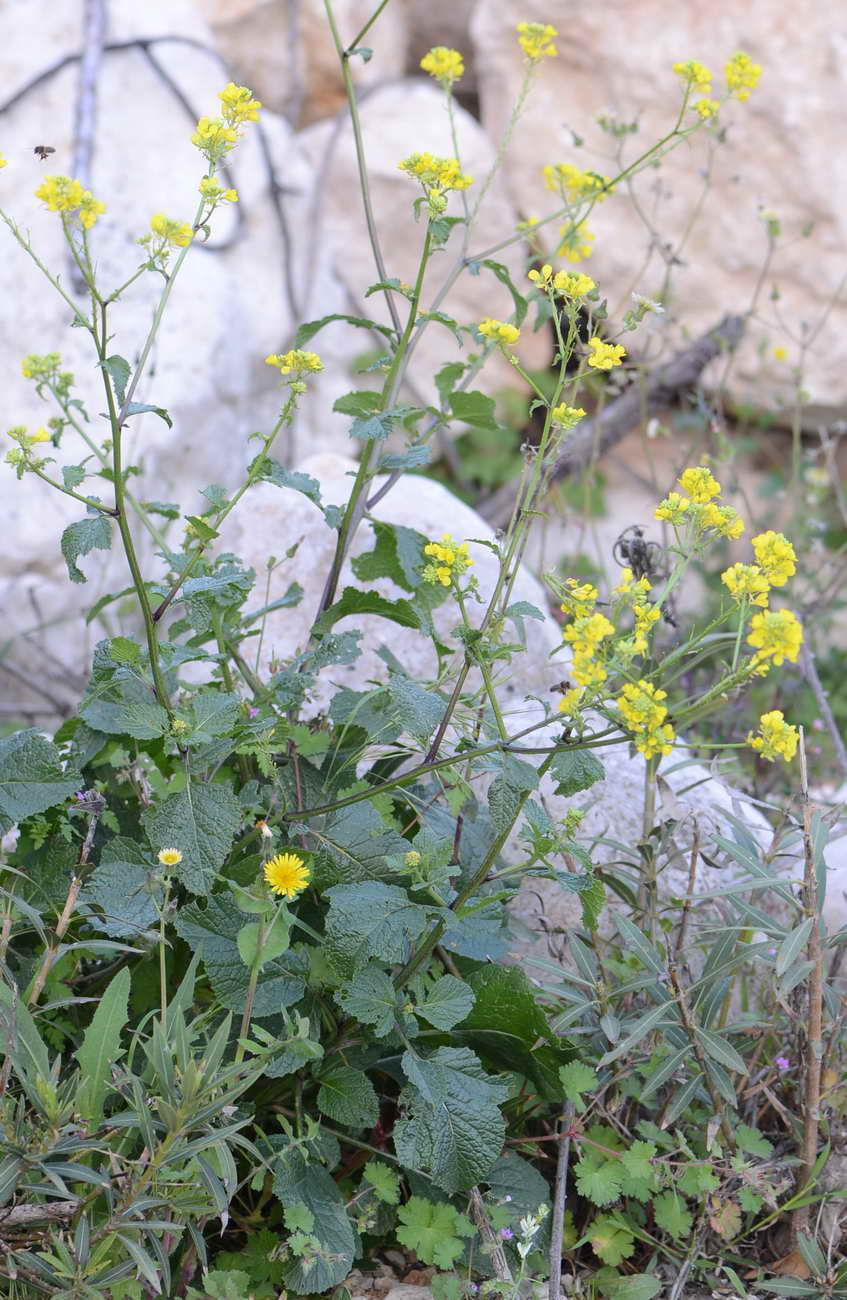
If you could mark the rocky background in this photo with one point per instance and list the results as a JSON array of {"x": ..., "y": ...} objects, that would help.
[{"x": 295, "y": 247}]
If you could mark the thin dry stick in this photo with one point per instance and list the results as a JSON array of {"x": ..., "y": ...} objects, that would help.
[
  {"x": 810, "y": 672},
  {"x": 814, "y": 1033},
  {"x": 689, "y": 893},
  {"x": 495, "y": 1251},
  {"x": 690, "y": 1029},
  {"x": 558, "y": 1230},
  {"x": 594, "y": 437}
]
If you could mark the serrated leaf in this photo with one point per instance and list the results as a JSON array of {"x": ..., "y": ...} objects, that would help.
[
  {"x": 73, "y": 475},
  {"x": 576, "y": 1078},
  {"x": 311, "y": 328},
  {"x": 448, "y": 1001},
  {"x": 297, "y": 1182},
  {"x": 447, "y": 378},
  {"x": 370, "y": 996},
  {"x": 101, "y": 1048},
  {"x": 364, "y": 402},
  {"x": 141, "y": 408},
  {"x": 124, "y": 651},
  {"x": 120, "y": 704},
  {"x": 370, "y": 920},
  {"x": 355, "y": 602},
  {"x": 121, "y": 888},
  {"x": 119, "y": 371},
  {"x": 433, "y": 1230},
  {"x": 397, "y": 554},
  {"x": 599, "y": 1183},
  {"x": 752, "y": 1141},
  {"x": 200, "y": 821},
  {"x": 411, "y": 458},
  {"x": 476, "y": 409},
  {"x": 574, "y": 770},
  {"x": 33, "y": 776},
  {"x": 419, "y": 709},
  {"x": 671, "y": 1215},
  {"x": 94, "y": 533},
  {"x": 452, "y": 1128},
  {"x": 384, "y": 1181},
  {"x": 209, "y": 714},
  {"x": 611, "y": 1240},
  {"x": 348, "y": 1097},
  {"x": 355, "y": 843}
]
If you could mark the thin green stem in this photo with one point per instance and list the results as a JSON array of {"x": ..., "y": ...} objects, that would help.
[
  {"x": 79, "y": 318},
  {"x": 69, "y": 492},
  {"x": 163, "y": 963},
  {"x": 351, "y": 48}
]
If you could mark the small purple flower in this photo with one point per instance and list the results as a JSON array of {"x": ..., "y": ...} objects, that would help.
[
  {"x": 253, "y": 713},
  {"x": 507, "y": 1233},
  {"x": 782, "y": 1063},
  {"x": 80, "y": 796}
]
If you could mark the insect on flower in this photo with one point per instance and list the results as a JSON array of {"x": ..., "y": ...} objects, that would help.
[{"x": 43, "y": 151}]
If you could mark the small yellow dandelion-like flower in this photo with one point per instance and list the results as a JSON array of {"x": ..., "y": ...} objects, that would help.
[
  {"x": 287, "y": 874},
  {"x": 776, "y": 739},
  {"x": 776, "y": 557},
  {"x": 742, "y": 75},
  {"x": 695, "y": 74},
  {"x": 499, "y": 331},
  {"x": 444, "y": 64},
  {"x": 169, "y": 857},
  {"x": 603, "y": 356},
  {"x": 536, "y": 40},
  {"x": 699, "y": 484}
]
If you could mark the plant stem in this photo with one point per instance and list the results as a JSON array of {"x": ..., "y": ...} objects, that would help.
[
  {"x": 814, "y": 1032},
  {"x": 558, "y": 1228},
  {"x": 690, "y": 1029},
  {"x": 163, "y": 970},
  {"x": 69, "y": 492}
]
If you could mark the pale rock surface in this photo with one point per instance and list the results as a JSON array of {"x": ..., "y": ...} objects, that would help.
[
  {"x": 285, "y": 52},
  {"x": 273, "y": 519},
  {"x": 616, "y": 59}
]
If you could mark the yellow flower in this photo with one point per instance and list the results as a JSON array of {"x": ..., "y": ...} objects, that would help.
[
  {"x": 573, "y": 283},
  {"x": 575, "y": 185},
  {"x": 61, "y": 194},
  {"x": 571, "y": 700},
  {"x": 776, "y": 556},
  {"x": 578, "y": 596},
  {"x": 628, "y": 586},
  {"x": 449, "y": 560},
  {"x": 707, "y": 108},
  {"x": 435, "y": 174},
  {"x": 699, "y": 484},
  {"x": 742, "y": 75},
  {"x": 640, "y": 705},
  {"x": 176, "y": 233},
  {"x": 673, "y": 508},
  {"x": 645, "y": 617},
  {"x": 169, "y": 857},
  {"x": 567, "y": 416},
  {"x": 295, "y": 362},
  {"x": 287, "y": 874},
  {"x": 239, "y": 105},
  {"x": 695, "y": 74},
  {"x": 214, "y": 138},
  {"x": 577, "y": 242},
  {"x": 725, "y": 521},
  {"x": 212, "y": 190},
  {"x": 780, "y": 353},
  {"x": 498, "y": 331},
  {"x": 444, "y": 64},
  {"x": 777, "y": 738},
  {"x": 585, "y": 635},
  {"x": 775, "y": 635},
  {"x": 3, "y": 161},
  {"x": 40, "y": 435},
  {"x": 746, "y": 581},
  {"x": 536, "y": 40},
  {"x": 603, "y": 356}
]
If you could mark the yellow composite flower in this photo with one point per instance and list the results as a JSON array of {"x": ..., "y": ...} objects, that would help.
[
  {"x": 287, "y": 874},
  {"x": 169, "y": 857}
]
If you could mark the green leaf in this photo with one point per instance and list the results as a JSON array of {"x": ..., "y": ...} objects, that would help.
[
  {"x": 370, "y": 997},
  {"x": 575, "y": 770},
  {"x": 275, "y": 940},
  {"x": 124, "y": 651},
  {"x": 200, "y": 821},
  {"x": 355, "y": 602},
  {"x": 447, "y": 1002},
  {"x": 33, "y": 776},
  {"x": 368, "y": 920},
  {"x": 452, "y": 1126},
  {"x": 591, "y": 901},
  {"x": 577, "y": 1078},
  {"x": 516, "y": 1178},
  {"x": 94, "y": 533},
  {"x": 119, "y": 371},
  {"x": 696, "y": 1179},
  {"x": 277, "y": 474},
  {"x": 600, "y": 1184},
  {"x": 384, "y": 1181},
  {"x": 28, "y": 1052},
  {"x": 412, "y": 458},
  {"x": 476, "y": 409},
  {"x": 635, "y": 1286},
  {"x": 212, "y": 932},
  {"x": 355, "y": 843},
  {"x": 121, "y": 888},
  {"x": 502, "y": 273},
  {"x": 793, "y": 945},
  {"x": 120, "y": 705},
  {"x": 397, "y": 554},
  {"x": 73, "y": 475},
  {"x": 347, "y": 1096},
  {"x": 720, "y": 1050},
  {"x": 201, "y": 529},
  {"x": 509, "y": 1029},
  {"x": 101, "y": 1048},
  {"x": 447, "y": 379},
  {"x": 365, "y": 402},
  {"x": 300, "y": 1183},
  {"x": 420, "y": 709},
  {"x": 671, "y": 1215},
  {"x": 308, "y": 331},
  {"x": 141, "y": 408},
  {"x": 610, "y": 1240},
  {"x": 751, "y": 1140},
  {"x": 433, "y": 1230},
  {"x": 210, "y": 713}
]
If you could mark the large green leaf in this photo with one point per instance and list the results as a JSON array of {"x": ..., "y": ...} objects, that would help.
[
  {"x": 510, "y": 1030},
  {"x": 356, "y": 602},
  {"x": 452, "y": 1129},
  {"x": 370, "y": 920},
  {"x": 101, "y": 1048},
  {"x": 121, "y": 890},
  {"x": 299, "y": 1183},
  {"x": 94, "y": 533},
  {"x": 211, "y": 929},
  {"x": 574, "y": 770},
  {"x": 370, "y": 996},
  {"x": 200, "y": 821},
  {"x": 446, "y": 1002},
  {"x": 354, "y": 844},
  {"x": 397, "y": 554},
  {"x": 32, "y": 775},
  {"x": 347, "y": 1096}
]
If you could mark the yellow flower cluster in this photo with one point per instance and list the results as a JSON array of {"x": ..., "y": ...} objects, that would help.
[
  {"x": 776, "y": 739},
  {"x": 632, "y": 587},
  {"x": 776, "y": 635},
  {"x": 296, "y": 362},
  {"x": 40, "y": 367},
  {"x": 567, "y": 416},
  {"x": 498, "y": 330},
  {"x": 536, "y": 40},
  {"x": 4, "y": 162},
  {"x": 286, "y": 874},
  {"x": 586, "y": 633},
  {"x": 640, "y": 705},
  {"x": 577, "y": 242},
  {"x": 178, "y": 234},
  {"x": 61, "y": 194},
  {"x": 215, "y": 136},
  {"x": 436, "y": 175},
  {"x": 696, "y": 75},
  {"x": 449, "y": 560},
  {"x": 20, "y": 456},
  {"x": 776, "y": 557},
  {"x": 572, "y": 284},
  {"x": 742, "y": 75},
  {"x": 444, "y": 64},
  {"x": 632, "y": 592},
  {"x": 699, "y": 509},
  {"x": 747, "y": 582},
  {"x": 213, "y": 192},
  {"x": 575, "y": 185},
  {"x": 603, "y": 356},
  {"x": 707, "y": 108}
]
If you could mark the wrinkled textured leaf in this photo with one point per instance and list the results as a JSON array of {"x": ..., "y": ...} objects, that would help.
[
  {"x": 32, "y": 775},
  {"x": 348, "y": 1097},
  {"x": 370, "y": 996},
  {"x": 574, "y": 770},
  {"x": 370, "y": 920},
  {"x": 353, "y": 601},
  {"x": 120, "y": 888},
  {"x": 447, "y": 1002},
  {"x": 201, "y": 822},
  {"x": 298, "y": 1183},
  {"x": 94, "y": 533}
]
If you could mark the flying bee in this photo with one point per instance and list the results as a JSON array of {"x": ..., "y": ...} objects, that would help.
[{"x": 43, "y": 151}]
